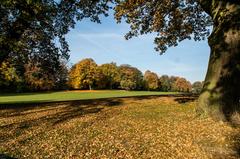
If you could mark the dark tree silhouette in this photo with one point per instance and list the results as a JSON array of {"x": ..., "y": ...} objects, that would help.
[{"x": 33, "y": 26}]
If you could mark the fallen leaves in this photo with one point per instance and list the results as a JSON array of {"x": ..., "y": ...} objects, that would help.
[{"x": 158, "y": 127}]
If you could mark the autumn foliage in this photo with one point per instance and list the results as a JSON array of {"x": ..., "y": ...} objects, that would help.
[
  {"x": 86, "y": 74},
  {"x": 151, "y": 80}
]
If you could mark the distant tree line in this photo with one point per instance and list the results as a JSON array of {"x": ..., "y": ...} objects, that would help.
[
  {"x": 33, "y": 74},
  {"x": 86, "y": 74}
]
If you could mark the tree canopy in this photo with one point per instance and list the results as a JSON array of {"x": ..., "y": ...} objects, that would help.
[
  {"x": 182, "y": 85},
  {"x": 197, "y": 87},
  {"x": 131, "y": 77},
  {"x": 151, "y": 80},
  {"x": 165, "y": 83},
  {"x": 31, "y": 27},
  {"x": 32, "y": 38},
  {"x": 84, "y": 74},
  {"x": 111, "y": 74},
  {"x": 172, "y": 21}
]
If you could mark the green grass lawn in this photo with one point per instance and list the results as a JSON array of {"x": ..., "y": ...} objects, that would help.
[
  {"x": 136, "y": 127},
  {"x": 71, "y": 95}
]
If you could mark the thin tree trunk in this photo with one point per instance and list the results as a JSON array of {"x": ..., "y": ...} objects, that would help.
[
  {"x": 111, "y": 85},
  {"x": 221, "y": 92}
]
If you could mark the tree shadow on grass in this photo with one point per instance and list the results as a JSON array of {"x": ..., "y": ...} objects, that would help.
[
  {"x": 19, "y": 120},
  {"x": 72, "y": 109},
  {"x": 26, "y": 94},
  {"x": 63, "y": 110},
  {"x": 182, "y": 100},
  {"x": 46, "y": 103},
  {"x": 3, "y": 156},
  {"x": 57, "y": 112},
  {"x": 176, "y": 96}
]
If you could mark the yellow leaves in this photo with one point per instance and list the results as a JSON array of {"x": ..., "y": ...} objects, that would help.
[
  {"x": 83, "y": 74},
  {"x": 8, "y": 72}
]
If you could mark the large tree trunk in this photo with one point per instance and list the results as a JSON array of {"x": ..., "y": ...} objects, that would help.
[{"x": 221, "y": 92}]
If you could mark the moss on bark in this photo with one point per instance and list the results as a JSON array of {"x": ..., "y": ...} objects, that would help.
[{"x": 221, "y": 92}]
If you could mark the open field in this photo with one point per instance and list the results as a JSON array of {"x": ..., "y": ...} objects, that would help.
[
  {"x": 135, "y": 127},
  {"x": 72, "y": 95}
]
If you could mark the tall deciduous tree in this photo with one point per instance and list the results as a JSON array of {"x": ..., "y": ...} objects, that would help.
[
  {"x": 151, "y": 80},
  {"x": 84, "y": 74},
  {"x": 197, "y": 87},
  {"x": 36, "y": 78},
  {"x": 131, "y": 77},
  {"x": 111, "y": 74},
  {"x": 34, "y": 30},
  {"x": 165, "y": 83},
  {"x": 175, "y": 21},
  {"x": 182, "y": 85},
  {"x": 172, "y": 81}
]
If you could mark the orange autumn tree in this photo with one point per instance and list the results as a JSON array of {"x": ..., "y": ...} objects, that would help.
[
  {"x": 182, "y": 85},
  {"x": 84, "y": 74},
  {"x": 151, "y": 80}
]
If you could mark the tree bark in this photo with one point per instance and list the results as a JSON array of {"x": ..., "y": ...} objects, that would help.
[{"x": 220, "y": 96}]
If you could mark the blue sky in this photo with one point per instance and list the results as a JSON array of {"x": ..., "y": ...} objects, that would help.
[{"x": 105, "y": 43}]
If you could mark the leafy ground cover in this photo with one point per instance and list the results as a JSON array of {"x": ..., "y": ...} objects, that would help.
[
  {"x": 71, "y": 95},
  {"x": 135, "y": 127}
]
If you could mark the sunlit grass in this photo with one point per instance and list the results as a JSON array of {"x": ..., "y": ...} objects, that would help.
[{"x": 71, "y": 95}]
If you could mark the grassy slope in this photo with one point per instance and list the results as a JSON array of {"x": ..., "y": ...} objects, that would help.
[
  {"x": 136, "y": 127},
  {"x": 70, "y": 95}
]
